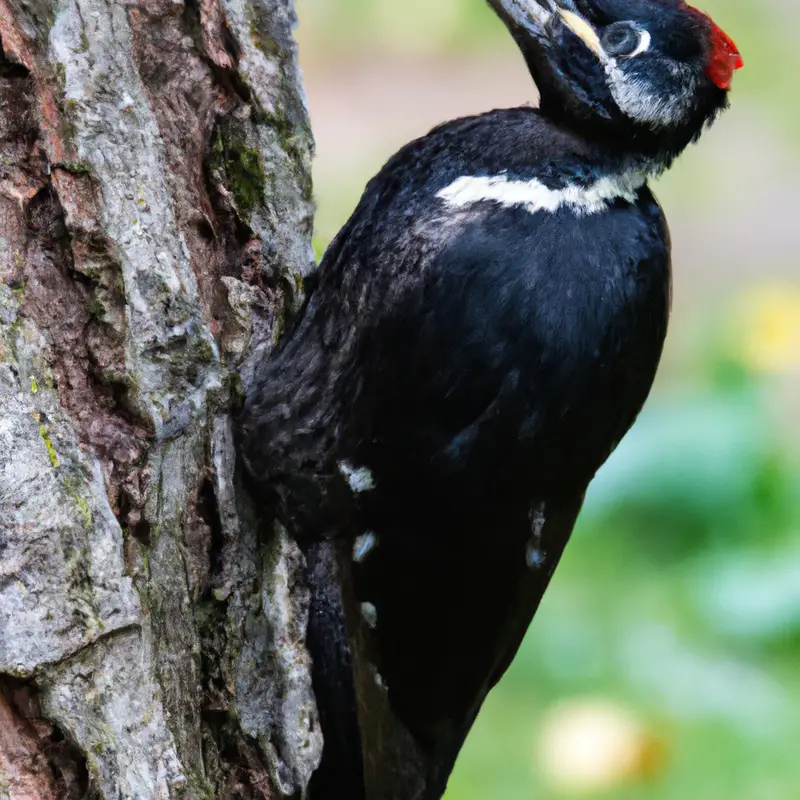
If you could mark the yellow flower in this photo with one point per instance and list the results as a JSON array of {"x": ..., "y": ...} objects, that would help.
[
  {"x": 592, "y": 745},
  {"x": 767, "y": 328}
]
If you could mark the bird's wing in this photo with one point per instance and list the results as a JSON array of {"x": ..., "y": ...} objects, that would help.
[{"x": 447, "y": 615}]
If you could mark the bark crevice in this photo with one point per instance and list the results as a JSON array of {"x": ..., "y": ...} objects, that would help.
[{"x": 36, "y": 758}]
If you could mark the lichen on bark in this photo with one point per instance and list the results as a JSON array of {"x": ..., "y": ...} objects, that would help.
[{"x": 155, "y": 222}]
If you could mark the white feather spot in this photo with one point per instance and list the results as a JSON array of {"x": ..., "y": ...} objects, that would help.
[
  {"x": 379, "y": 682},
  {"x": 359, "y": 478},
  {"x": 534, "y": 196},
  {"x": 363, "y": 545},
  {"x": 535, "y": 556},
  {"x": 377, "y": 677},
  {"x": 370, "y": 614}
]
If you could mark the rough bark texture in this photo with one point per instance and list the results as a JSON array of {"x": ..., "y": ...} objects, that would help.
[{"x": 155, "y": 221}]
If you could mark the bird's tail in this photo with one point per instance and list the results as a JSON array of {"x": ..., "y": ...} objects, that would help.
[{"x": 341, "y": 773}]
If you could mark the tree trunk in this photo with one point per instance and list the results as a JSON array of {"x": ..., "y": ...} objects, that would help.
[{"x": 155, "y": 221}]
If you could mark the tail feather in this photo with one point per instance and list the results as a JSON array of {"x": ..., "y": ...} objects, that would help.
[{"x": 341, "y": 773}]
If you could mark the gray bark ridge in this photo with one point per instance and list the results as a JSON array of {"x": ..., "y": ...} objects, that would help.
[{"x": 155, "y": 222}]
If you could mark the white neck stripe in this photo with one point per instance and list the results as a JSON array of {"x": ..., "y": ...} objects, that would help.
[{"x": 534, "y": 196}]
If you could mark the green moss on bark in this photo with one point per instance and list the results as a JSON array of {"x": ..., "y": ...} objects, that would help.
[{"x": 242, "y": 168}]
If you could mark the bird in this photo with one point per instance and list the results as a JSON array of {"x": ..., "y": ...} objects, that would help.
[{"x": 476, "y": 341}]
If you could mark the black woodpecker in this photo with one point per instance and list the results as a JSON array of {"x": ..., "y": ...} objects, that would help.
[{"x": 481, "y": 334}]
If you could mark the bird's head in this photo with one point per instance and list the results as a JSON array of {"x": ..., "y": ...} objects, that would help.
[{"x": 649, "y": 72}]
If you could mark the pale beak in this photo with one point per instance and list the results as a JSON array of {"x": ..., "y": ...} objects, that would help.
[
  {"x": 535, "y": 18},
  {"x": 531, "y": 16}
]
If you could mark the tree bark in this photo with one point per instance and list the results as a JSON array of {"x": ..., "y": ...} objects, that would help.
[{"x": 155, "y": 222}]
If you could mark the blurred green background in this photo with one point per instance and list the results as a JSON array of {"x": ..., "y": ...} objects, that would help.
[{"x": 665, "y": 660}]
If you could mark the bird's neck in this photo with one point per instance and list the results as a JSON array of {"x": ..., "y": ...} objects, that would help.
[
  {"x": 605, "y": 156},
  {"x": 615, "y": 154}
]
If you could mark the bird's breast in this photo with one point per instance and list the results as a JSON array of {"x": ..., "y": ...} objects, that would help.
[{"x": 527, "y": 347}]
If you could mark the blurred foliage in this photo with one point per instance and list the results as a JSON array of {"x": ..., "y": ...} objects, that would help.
[
  {"x": 388, "y": 27},
  {"x": 663, "y": 663}
]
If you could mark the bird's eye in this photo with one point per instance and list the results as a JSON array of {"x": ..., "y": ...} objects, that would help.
[{"x": 625, "y": 40}]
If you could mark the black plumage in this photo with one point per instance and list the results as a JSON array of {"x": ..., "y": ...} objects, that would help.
[{"x": 481, "y": 334}]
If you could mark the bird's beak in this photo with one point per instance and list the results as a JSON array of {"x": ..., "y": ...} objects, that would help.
[
  {"x": 536, "y": 18},
  {"x": 529, "y": 16}
]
